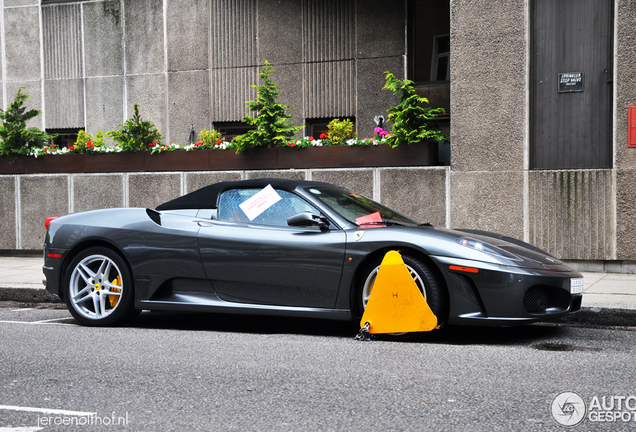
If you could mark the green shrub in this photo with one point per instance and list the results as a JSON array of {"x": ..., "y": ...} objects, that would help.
[
  {"x": 209, "y": 138},
  {"x": 136, "y": 134},
  {"x": 412, "y": 122},
  {"x": 85, "y": 142},
  {"x": 15, "y": 137},
  {"x": 340, "y": 131},
  {"x": 272, "y": 127}
]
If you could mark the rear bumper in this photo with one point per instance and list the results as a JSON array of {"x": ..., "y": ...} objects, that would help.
[{"x": 52, "y": 269}]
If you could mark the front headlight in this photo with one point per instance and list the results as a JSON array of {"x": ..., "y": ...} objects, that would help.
[{"x": 487, "y": 248}]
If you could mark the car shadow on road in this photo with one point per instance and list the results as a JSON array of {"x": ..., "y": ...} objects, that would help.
[{"x": 526, "y": 334}]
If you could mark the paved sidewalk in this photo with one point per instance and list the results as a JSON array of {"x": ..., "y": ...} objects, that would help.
[
  {"x": 610, "y": 290},
  {"x": 21, "y": 280}
]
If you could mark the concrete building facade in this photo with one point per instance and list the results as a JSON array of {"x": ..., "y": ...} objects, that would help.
[{"x": 192, "y": 63}]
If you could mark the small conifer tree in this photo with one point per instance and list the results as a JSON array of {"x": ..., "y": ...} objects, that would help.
[
  {"x": 272, "y": 127},
  {"x": 136, "y": 134},
  {"x": 15, "y": 137},
  {"x": 412, "y": 122}
]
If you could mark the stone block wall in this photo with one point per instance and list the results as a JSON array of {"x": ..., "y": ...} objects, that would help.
[
  {"x": 571, "y": 213},
  {"x": 488, "y": 126},
  {"x": 27, "y": 200}
]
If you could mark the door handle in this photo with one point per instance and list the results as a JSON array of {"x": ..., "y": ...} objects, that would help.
[{"x": 205, "y": 224}]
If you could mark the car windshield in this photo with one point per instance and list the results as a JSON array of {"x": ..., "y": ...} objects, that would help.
[{"x": 358, "y": 209}]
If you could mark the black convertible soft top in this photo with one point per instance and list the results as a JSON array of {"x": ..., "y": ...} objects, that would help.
[{"x": 208, "y": 196}]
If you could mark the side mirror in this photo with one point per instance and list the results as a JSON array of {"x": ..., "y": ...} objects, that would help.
[{"x": 307, "y": 219}]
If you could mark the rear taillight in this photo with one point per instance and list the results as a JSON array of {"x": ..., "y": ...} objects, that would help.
[{"x": 48, "y": 221}]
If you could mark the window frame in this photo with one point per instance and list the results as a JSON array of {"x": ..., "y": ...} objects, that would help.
[
  {"x": 436, "y": 56},
  {"x": 285, "y": 196}
]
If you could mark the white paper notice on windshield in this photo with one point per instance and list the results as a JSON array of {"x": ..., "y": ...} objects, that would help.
[{"x": 260, "y": 202}]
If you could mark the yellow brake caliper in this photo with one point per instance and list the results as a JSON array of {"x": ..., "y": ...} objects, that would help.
[{"x": 114, "y": 299}]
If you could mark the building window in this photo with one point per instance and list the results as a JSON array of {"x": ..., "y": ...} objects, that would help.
[
  {"x": 440, "y": 64},
  {"x": 230, "y": 130},
  {"x": 65, "y": 137},
  {"x": 316, "y": 127},
  {"x": 428, "y": 36}
]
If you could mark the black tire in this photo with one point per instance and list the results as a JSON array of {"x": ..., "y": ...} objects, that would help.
[
  {"x": 424, "y": 279},
  {"x": 91, "y": 284}
]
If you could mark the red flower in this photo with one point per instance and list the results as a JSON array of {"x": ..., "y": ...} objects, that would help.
[
  {"x": 324, "y": 136},
  {"x": 294, "y": 144},
  {"x": 45, "y": 149},
  {"x": 72, "y": 148},
  {"x": 154, "y": 143},
  {"x": 311, "y": 138}
]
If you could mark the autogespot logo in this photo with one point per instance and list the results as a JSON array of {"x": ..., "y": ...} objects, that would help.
[{"x": 568, "y": 409}]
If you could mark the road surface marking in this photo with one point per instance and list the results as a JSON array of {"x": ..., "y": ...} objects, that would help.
[
  {"x": 47, "y": 411},
  {"x": 20, "y": 429},
  {"x": 37, "y": 322}
]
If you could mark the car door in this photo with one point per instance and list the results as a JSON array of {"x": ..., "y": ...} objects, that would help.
[{"x": 264, "y": 261}]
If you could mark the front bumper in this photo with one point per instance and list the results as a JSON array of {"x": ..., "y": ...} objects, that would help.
[{"x": 504, "y": 295}]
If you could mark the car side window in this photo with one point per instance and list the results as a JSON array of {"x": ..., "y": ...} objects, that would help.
[{"x": 277, "y": 214}]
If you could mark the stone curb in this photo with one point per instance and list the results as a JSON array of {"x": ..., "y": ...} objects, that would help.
[
  {"x": 587, "y": 316},
  {"x": 20, "y": 293}
]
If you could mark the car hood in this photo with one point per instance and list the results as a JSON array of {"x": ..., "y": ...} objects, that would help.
[
  {"x": 528, "y": 256},
  {"x": 513, "y": 245},
  {"x": 438, "y": 241}
]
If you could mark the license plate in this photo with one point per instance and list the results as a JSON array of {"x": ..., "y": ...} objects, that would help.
[{"x": 576, "y": 285}]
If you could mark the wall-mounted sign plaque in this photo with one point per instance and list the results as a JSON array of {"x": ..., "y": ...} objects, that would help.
[{"x": 570, "y": 82}]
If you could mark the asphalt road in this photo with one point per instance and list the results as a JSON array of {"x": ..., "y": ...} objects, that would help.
[{"x": 180, "y": 372}]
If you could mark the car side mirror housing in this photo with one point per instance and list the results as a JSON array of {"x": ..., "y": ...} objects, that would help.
[{"x": 307, "y": 219}]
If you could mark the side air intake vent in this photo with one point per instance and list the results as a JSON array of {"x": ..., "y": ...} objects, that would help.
[{"x": 154, "y": 215}]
